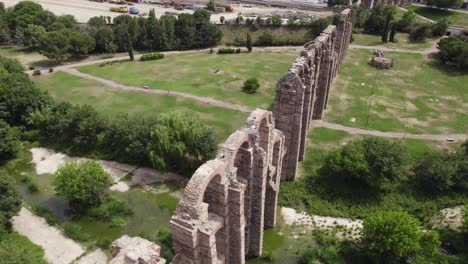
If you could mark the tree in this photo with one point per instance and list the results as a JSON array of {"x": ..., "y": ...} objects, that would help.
[
  {"x": 389, "y": 12},
  {"x": 152, "y": 24},
  {"x": 185, "y": 31},
  {"x": 265, "y": 39},
  {"x": 376, "y": 162},
  {"x": 393, "y": 33},
  {"x": 406, "y": 21},
  {"x": 210, "y": 5},
  {"x": 10, "y": 199},
  {"x": 376, "y": 20},
  {"x": 180, "y": 142},
  {"x": 444, "y": 4},
  {"x": 420, "y": 32},
  {"x": 85, "y": 184},
  {"x": 104, "y": 38},
  {"x": 251, "y": 85},
  {"x": 439, "y": 28},
  {"x": 9, "y": 145},
  {"x": 454, "y": 50},
  {"x": 55, "y": 45},
  {"x": 392, "y": 235},
  {"x": 249, "y": 43},
  {"x": 32, "y": 35},
  {"x": 318, "y": 25},
  {"x": 129, "y": 47},
  {"x": 81, "y": 43},
  {"x": 276, "y": 21},
  {"x": 222, "y": 19}
]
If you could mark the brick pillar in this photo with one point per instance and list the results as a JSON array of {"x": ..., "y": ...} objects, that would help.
[
  {"x": 325, "y": 68},
  {"x": 308, "y": 99},
  {"x": 288, "y": 110},
  {"x": 236, "y": 224}
]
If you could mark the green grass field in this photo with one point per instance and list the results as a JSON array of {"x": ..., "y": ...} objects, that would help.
[
  {"x": 231, "y": 33},
  {"x": 416, "y": 96},
  {"x": 211, "y": 75},
  {"x": 403, "y": 42},
  {"x": 455, "y": 18},
  {"x": 65, "y": 87}
]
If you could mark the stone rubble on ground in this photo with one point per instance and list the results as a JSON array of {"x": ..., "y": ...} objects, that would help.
[{"x": 135, "y": 250}]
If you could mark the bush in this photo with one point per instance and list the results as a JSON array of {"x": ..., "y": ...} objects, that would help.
[
  {"x": 454, "y": 51},
  {"x": 73, "y": 231},
  {"x": 45, "y": 213},
  {"x": 32, "y": 187},
  {"x": 109, "y": 210},
  {"x": 103, "y": 243},
  {"x": 32, "y": 68},
  {"x": 395, "y": 235},
  {"x": 85, "y": 183},
  {"x": 51, "y": 70},
  {"x": 16, "y": 249},
  {"x": 377, "y": 162},
  {"x": 238, "y": 50},
  {"x": 439, "y": 28},
  {"x": 251, "y": 85},
  {"x": 36, "y": 73},
  {"x": 117, "y": 221},
  {"x": 10, "y": 199},
  {"x": 420, "y": 32},
  {"x": 226, "y": 51},
  {"x": 152, "y": 56},
  {"x": 9, "y": 143}
]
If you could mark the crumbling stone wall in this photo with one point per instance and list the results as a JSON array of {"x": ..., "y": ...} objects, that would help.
[
  {"x": 230, "y": 200},
  {"x": 302, "y": 93}
]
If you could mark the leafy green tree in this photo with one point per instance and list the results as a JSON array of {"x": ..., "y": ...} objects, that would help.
[
  {"x": 439, "y": 28},
  {"x": 265, "y": 39},
  {"x": 104, "y": 38},
  {"x": 55, "y": 45},
  {"x": 444, "y": 4},
  {"x": 437, "y": 171},
  {"x": 249, "y": 43},
  {"x": 276, "y": 21},
  {"x": 32, "y": 35},
  {"x": 318, "y": 25},
  {"x": 180, "y": 142},
  {"x": 393, "y": 33},
  {"x": 27, "y": 13},
  {"x": 81, "y": 43},
  {"x": 454, "y": 51},
  {"x": 407, "y": 21},
  {"x": 185, "y": 31},
  {"x": 142, "y": 41},
  {"x": 68, "y": 21},
  {"x": 129, "y": 47},
  {"x": 389, "y": 12},
  {"x": 210, "y": 5},
  {"x": 420, "y": 32},
  {"x": 222, "y": 19},
  {"x": 152, "y": 34},
  {"x": 251, "y": 85},
  {"x": 9, "y": 145},
  {"x": 359, "y": 15},
  {"x": 10, "y": 199},
  {"x": 389, "y": 236},
  {"x": 377, "y": 162},
  {"x": 85, "y": 183},
  {"x": 376, "y": 20}
]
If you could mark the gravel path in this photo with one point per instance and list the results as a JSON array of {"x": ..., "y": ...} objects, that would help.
[
  {"x": 58, "y": 248},
  {"x": 428, "y": 51},
  {"x": 353, "y": 130}
]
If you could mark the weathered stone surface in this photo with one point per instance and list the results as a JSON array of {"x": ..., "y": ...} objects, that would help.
[
  {"x": 381, "y": 62},
  {"x": 230, "y": 200},
  {"x": 135, "y": 250}
]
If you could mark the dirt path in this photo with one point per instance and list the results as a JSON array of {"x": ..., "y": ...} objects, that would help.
[
  {"x": 353, "y": 130},
  {"x": 423, "y": 52},
  {"x": 122, "y": 87},
  {"x": 58, "y": 249}
]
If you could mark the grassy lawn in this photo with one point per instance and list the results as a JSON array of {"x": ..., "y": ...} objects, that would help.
[
  {"x": 326, "y": 196},
  {"x": 454, "y": 18},
  {"x": 65, "y": 87},
  {"x": 416, "y": 96},
  {"x": 403, "y": 42},
  {"x": 211, "y": 75}
]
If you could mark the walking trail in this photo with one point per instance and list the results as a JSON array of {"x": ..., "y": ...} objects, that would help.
[
  {"x": 353, "y": 130},
  {"x": 58, "y": 249}
]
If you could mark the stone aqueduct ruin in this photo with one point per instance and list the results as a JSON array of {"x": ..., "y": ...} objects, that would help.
[{"x": 230, "y": 200}]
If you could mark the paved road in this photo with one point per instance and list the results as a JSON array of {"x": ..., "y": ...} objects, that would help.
[
  {"x": 58, "y": 249},
  {"x": 123, "y": 87},
  {"x": 353, "y": 130}
]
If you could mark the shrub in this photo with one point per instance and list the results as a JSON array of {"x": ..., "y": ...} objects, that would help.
[
  {"x": 439, "y": 28},
  {"x": 84, "y": 183},
  {"x": 110, "y": 209},
  {"x": 238, "y": 50},
  {"x": 251, "y": 85},
  {"x": 36, "y": 73},
  {"x": 454, "y": 51},
  {"x": 152, "y": 56},
  {"x": 420, "y": 32},
  {"x": 117, "y": 221},
  {"x": 45, "y": 213},
  {"x": 377, "y": 162},
  {"x": 103, "y": 243},
  {"x": 51, "y": 70},
  {"x": 32, "y": 187},
  {"x": 73, "y": 231},
  {"x": 9, "y": 143},
  {"x": 391, "y": 235},
  {"x": 32, "y": 68},
  {"x": 437, "y": 171},
  {"x": 226, "y": 51}
]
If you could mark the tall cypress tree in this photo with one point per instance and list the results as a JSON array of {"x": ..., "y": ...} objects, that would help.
[
  {"x": 130, "y": 47},
  {"x": 249, "y": 43},
  {"x": 152, "y": 26}
]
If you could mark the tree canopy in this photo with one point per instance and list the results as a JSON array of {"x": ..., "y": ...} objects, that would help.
[{"x": 85, "y": 184}]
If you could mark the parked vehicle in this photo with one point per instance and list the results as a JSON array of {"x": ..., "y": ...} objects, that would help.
[{"x": 134, "y": 10}]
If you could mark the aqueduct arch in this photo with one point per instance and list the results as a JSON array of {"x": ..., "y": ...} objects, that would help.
[{"x": 230, "y": 200}]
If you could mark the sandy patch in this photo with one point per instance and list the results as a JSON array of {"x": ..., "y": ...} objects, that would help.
[
  {"x": 95, "y": 257},
  {"x": 448, "y": 218},
  {"x": 346, "y": 228},
  {"x": 58, "y": 249},
  {"x": 47, "y": 161}
]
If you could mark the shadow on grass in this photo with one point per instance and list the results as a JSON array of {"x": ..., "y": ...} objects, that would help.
[{"x": 448, "y": 69}]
